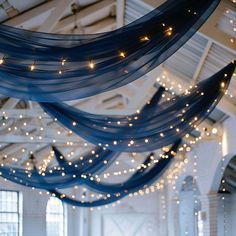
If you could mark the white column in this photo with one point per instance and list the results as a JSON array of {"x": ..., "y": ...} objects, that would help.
[
  {"x": 173, "y": 211},
  {"x": 186, "y": 213},
  {"x": 173, "y": 218}
]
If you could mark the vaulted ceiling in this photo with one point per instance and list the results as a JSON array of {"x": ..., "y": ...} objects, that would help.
[{"x": 24, "y": 128}]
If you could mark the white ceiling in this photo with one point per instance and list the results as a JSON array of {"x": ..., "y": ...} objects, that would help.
[{"x": 196, "y": 60}]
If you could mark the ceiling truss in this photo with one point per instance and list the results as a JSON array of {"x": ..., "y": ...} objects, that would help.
[{"x": 28, "y": 129}]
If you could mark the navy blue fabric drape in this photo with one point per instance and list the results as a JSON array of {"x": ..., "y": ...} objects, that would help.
[
  {"x": 72, "y": 173},
  {"x": 140, "y": 179},
  {"x": 90, "y": 163},
  {"x": 137, "y": 181},
  {"x": 159, "y": 125},
  {"x": 68, "y": 67}
]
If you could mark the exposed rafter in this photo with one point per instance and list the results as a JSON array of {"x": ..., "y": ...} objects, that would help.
[
  {"x": 104, "y": 15},
  {"x": 94, "y": 18}
]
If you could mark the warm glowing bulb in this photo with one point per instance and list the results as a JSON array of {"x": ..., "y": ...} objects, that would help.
[
  {"x": 169, "y": 31},
  {"x": 122, "y": 54},
  {"x": 91, "y": 65},
  {"x": 222, "y": 84},
  {"x": 32, "y": 67},
  {"x": 63, "y": 62},
  {"x": 1, "y": 61},
  {"x": 145, "y": 38},
  {"x": 214, "y": 130},
  {"x": 188, "y": 149}
]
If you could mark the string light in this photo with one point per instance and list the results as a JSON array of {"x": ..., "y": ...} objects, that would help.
[
  {"x": 214, "y": 130},
  {"x": 158, "y": 186},
  {"x": 63, "y": 62},
  {"x": 1, "y": 61},
  {"x": 232, "y": 23},
  {"x": 223, "y": 189},
  {"x": 91, "y": 65},
  {"x": 144, "y": 39},
  {"x": 32, "y": 67},
  {"x": 131, "y": 143},
  {"x": 122, "y": 54},
  {"x": 169, "y": 31},
  {"x": 222, "y": 84}
]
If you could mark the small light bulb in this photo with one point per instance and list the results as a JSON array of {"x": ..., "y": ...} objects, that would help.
[
  {"x": 91, "y": 65},
  {"x": 169, "y": 31},
  {"x": 145, "y": 39},
  {"x": 122, "y": 54},
  {"x": 63, "y": 62},
  {"x": 32, "y": 67},
  {"x": 1, "y": 61},
  {"x": 214, "y": 131},
  {"x": 188, "y": 149}
]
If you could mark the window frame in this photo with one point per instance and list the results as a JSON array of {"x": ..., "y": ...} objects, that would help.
[
  {"x": 64, "y": 216},
  {"x": 19, "y": 210}
]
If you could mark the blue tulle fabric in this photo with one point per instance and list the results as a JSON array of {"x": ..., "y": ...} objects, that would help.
[
  {"x": 161, "y": 124},
  {"x": 87, "y": 165},
  {"x": 68, "y": 67},
  {"x": 91, "y": 164},
  {"x": 143, "y": 178},
  {"x": 52, "y": 180}
]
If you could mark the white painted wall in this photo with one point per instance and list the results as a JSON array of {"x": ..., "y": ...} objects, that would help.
[{"x": 137, "y": 216}]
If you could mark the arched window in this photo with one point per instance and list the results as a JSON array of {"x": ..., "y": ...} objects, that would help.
[{"x": 56, "y": 218}]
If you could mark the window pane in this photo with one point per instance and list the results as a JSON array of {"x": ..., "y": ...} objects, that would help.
[
  {"x": 55, "y": 218},
  {"x": 9, "y": 213}
]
